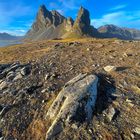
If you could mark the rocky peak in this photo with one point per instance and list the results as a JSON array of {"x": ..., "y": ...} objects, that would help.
[
  {"x": 82, "y": 22},
  {"x": 69, "y": 23},
  {"x": 43, "y": 19},
  {"x": 43, "y": 11},
  {"x": 83, "y": 17},
  {"x": 51, "y": 24},
  {"x": 57, "y": 18}
]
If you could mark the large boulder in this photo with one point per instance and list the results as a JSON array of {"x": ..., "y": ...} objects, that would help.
[{"x": 74, "y": 104}]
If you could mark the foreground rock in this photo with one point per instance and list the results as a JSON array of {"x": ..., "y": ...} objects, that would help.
[
  {"x": 12, "y": 72},
  {"x": 74, "y": 103}
]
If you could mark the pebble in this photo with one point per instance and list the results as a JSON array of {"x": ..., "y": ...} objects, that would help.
[
  {"x": 111, "y": 113},
  {"x": 137, "y": 130},
  {"x": 3, "y": 85},
  {"x": 109, "y": 68}
]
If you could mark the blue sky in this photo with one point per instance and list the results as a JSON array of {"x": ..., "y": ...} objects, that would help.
[{"x": 16, "y": 16}]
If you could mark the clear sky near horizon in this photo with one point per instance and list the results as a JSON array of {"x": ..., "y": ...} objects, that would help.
[{"x": 16, "y": 16}]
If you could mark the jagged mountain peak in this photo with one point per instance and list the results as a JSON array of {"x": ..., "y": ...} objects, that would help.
[
  {"x": 43, "y": 11},
  {"x": 51, "y": 24},
  {"x": 83, "y": 16}
]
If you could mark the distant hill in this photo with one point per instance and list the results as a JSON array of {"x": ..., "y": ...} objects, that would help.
[
  {"x": 113, "y": 31},
  {"x": 6, "y": 36}
]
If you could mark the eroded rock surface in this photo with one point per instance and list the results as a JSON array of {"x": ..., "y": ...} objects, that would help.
[{"x": 78, "y": 95}]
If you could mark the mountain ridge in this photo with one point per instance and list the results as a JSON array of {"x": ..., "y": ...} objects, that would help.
[
  {"x": 53, "y": 25},
  {"x": 113, "y": 31},
  {"x": 7, "y": 36}
]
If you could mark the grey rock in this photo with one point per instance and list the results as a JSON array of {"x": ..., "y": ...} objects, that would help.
[
  {"x": 111, "y": 113},
  {"x": 13, "y": 67},
  {"x": 25, "y": 70},
  {"x": 18, "y": 76},
  {"x": 10, "y": 76},
  {"x": 78, "y": 96},
  {"x": 137, "y": 130},
  {"x": 3, "y": 85},
  {"x": 109, "y": 68}
]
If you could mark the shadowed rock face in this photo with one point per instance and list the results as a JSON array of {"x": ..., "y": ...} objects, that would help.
[
  {"x": 69, "y": 23},
  {"x": 45, "y": 24},
  {"x": 83, "y": 21},
  {"x": 78, "y": 95},
  {"x": 43, "y": 19}
]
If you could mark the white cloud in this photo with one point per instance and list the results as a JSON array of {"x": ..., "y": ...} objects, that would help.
[
  {"x": 120, "y": 18},
  {"x": 66, "y": 5}
]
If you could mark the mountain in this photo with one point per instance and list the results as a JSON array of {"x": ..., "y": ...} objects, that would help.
[
  {"x": 51, "y": 25},
  {"x": 82, "y": 26},
  {"x": 6, "y": 36},
  {"x": 113, "y": 31}
]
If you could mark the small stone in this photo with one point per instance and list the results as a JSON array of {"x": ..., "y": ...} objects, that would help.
[
  {"x": 74, "y": 126},
  {"x": 88, "y": 49},
  {"x": 47, "y": 76},
  {"x": 129, "y": 101},
  {"x": 132, "y": 136},
  {"x": 137, "y": 130},
  {"x": 109, "y": 68},
  {"x": 127, "y": 54},
  {"x": 111, "y": 113},
  {"x": 44, "y": 90},
  {"x": 25, "y": 71},
  {"x": 3, "y": 85},
  {"x": 18, "y": 76}
]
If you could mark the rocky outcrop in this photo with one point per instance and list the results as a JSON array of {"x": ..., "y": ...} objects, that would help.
[
  {"x": 78, "y": 96},
  {"x": 12, "y": 72},
  {"x": 112, "y": 31}
]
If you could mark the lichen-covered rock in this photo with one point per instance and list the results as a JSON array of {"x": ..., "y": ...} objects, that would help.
[{"x": 75, "y": 103}]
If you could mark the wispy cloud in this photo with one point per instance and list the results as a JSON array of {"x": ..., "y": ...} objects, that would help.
[
  {"x": 17, "y": 10},
  {"x": 120, "y": 18},
  {"x": 66, "y": 5},
  {"x": 118, "y": 7},
  {"x": 13, "y": 17}
]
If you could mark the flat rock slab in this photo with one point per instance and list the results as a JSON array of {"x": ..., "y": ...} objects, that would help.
[{"x": 75, "y": 103}]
